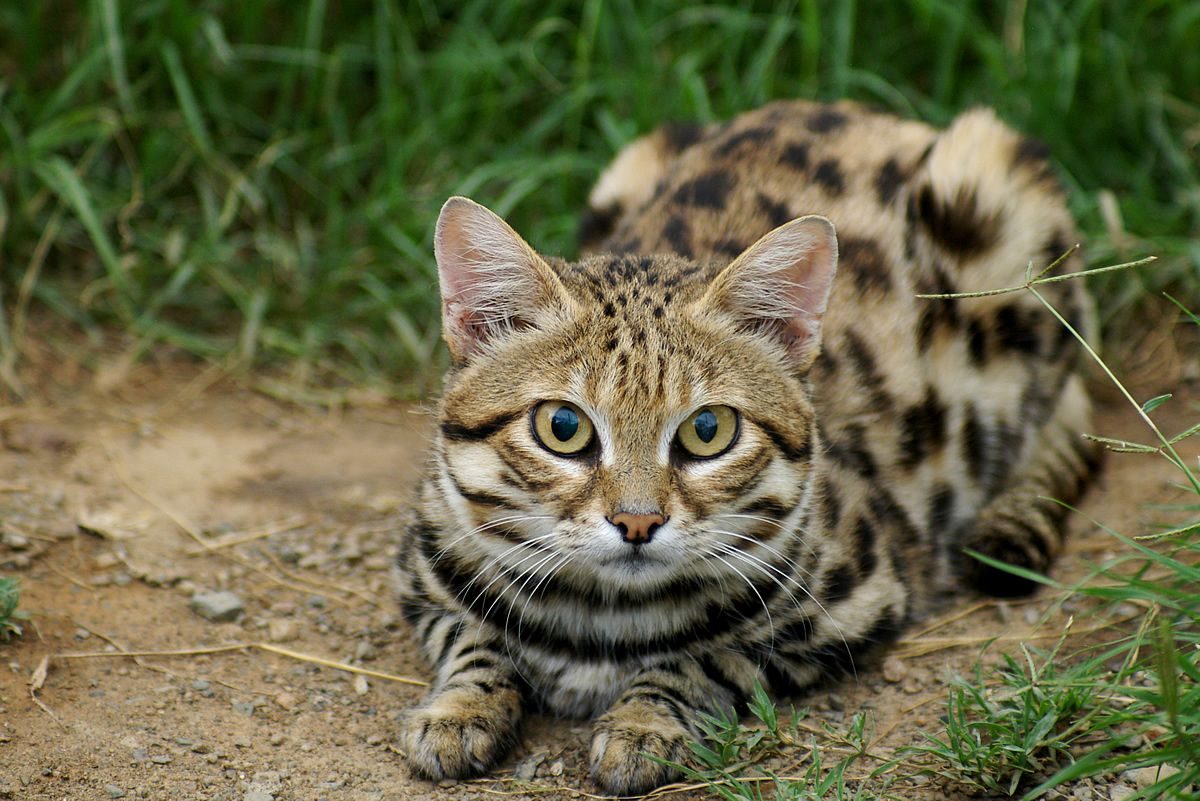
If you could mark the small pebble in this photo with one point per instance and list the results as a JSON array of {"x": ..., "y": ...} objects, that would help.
[
  {"x": 894, "y": 669},
  {"x": 114, "y": 791},
  {"x": 282, "y": 630},
  {"x": 18, "y": 542},
  {"x": 1003, "y": 611},
  {"x": 1149, "y": 776},
  {"x": 1119, "y": 792},
  {"x": 219, "y": 607},
  {"x": 287, "y": 701},
  {"x": 258, "y": 795},
  {"x": 526, "y": 769},
  {"x": 557, "y": 767}
]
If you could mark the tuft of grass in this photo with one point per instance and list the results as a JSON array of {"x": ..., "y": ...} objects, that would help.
[
  {"x": 730, "y": 760},
  {"x": 1010, "y": 725},
  {"x": 10, "y": 597},
  {"x": 248, "y": 182}
]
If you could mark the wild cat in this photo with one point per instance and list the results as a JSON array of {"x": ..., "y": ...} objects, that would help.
[{"x": 731, "y": 445}]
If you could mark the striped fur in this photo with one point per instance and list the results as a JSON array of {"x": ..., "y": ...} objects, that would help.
[{"x": 856, "y": 477}]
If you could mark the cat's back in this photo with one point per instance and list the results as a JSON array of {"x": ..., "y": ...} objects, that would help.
[{"x": 939, "y": 400}]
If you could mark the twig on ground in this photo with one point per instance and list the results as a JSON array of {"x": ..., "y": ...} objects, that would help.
[{"x": 261, "y": 646}]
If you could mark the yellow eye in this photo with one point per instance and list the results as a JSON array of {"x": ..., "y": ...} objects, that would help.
[
  {"x": 709, "y": 431},
  {"x": 561, "y": 427}
]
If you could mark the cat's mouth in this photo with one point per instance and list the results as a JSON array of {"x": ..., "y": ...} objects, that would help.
[{"x": 636, "y": 561}]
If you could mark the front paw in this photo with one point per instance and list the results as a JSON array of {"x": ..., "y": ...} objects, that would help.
[
  {"x": 461, "y": 731},
  {"x": 623, "y": 738}
]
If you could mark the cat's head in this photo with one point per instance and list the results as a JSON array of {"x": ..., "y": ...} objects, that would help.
[{"x": 628, "y": 419}]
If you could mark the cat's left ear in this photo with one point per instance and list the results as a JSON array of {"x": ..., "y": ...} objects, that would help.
[
  {"x": 780, "y": 285},
  {"x": 492, "y": 281}
]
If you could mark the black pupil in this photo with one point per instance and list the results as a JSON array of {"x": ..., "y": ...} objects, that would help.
[
  {"x": 564, "y": 424},
  {"x": 706, "y": 425}
]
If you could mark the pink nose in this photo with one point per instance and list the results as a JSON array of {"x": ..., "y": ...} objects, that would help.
[{"x": 637, "y": 529}]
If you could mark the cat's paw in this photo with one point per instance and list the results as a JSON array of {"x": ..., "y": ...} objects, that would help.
[
  {"x": 461, "y": 731},
  {"x": 624, "y": 736}
]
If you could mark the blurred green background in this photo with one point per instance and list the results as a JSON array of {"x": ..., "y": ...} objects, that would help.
[{"x": 257, "y": 181}]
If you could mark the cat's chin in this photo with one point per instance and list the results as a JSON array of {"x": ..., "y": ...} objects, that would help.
[{"x": 636, "y": 570}]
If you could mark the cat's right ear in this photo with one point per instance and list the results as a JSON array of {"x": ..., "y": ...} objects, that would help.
[{"x": 491, "y": 280}]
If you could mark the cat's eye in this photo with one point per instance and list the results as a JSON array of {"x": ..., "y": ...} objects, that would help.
[
  {"x": 561, "y": 427},
  {"x": 709, "y": 431}
]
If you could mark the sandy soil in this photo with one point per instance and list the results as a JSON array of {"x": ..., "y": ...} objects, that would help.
[{"x": 115, "y": 509}]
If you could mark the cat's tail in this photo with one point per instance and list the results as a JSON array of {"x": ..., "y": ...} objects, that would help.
[{"x": 630, "y": 179}]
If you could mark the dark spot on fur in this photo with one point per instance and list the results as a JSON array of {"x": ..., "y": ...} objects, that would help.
[
  {"x": 938, "y": 312},
  {"x": 863, "y": 259},
  {"x": 976, "y": 343},
  {"x": 974, "y": 443},
  {"x": 941, "y": 508},
  {"x": 888, "y": 181},
  {"x": 887, "y": 511},
  {"x": 629, "y": 245},
  {"x": 1016, "y": 330},
  {"x": 609, "y": 309},
  {"x": 708, "y": 191},
  {"x": 1030, "y": 150},
  {"x": 833, "y": 505},
  {"x": 730, "y": 247},
  {"x": 678, "y": 237},
  {"x": 826, "y": 120},
  {"x": 1056, "y": 249},
  {"x": 829, "y": 175},
  {"x": 679, "y": 136},
  {"x": 1034, "y": 155},
  {"x": 748, "y": 136},
  {"x": 658, "y": 311},
  {"x": 955, "y": 224},
  {"x": 851, "y": 452},
  {"x": 922, "y": 430},
  {"x": 838, "y": 585},
  {"x": 864, "y": 362},
  {"x": 795, "y": 156},
  {"x": 596, "y": 225},
  {"x": 864, "y": 546},
  {"x": 776, "y": 212}
]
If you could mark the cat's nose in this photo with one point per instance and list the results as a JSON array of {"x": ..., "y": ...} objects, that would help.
[{"x": 637, "y": 529}]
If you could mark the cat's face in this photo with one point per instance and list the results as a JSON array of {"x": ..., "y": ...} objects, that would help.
[{"x": 629, "y": 420}]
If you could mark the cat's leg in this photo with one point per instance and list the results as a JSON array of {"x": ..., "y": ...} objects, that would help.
[
  {"x": 469, "y": 719},
  {"x": 656, "y": 715},
  {"x": 1023, "y": 524}
]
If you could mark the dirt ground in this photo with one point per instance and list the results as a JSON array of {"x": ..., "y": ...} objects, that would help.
[{"x": 117, "y": 508}]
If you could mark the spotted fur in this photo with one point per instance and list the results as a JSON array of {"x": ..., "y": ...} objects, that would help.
[{"x": 880, "y": 434}]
